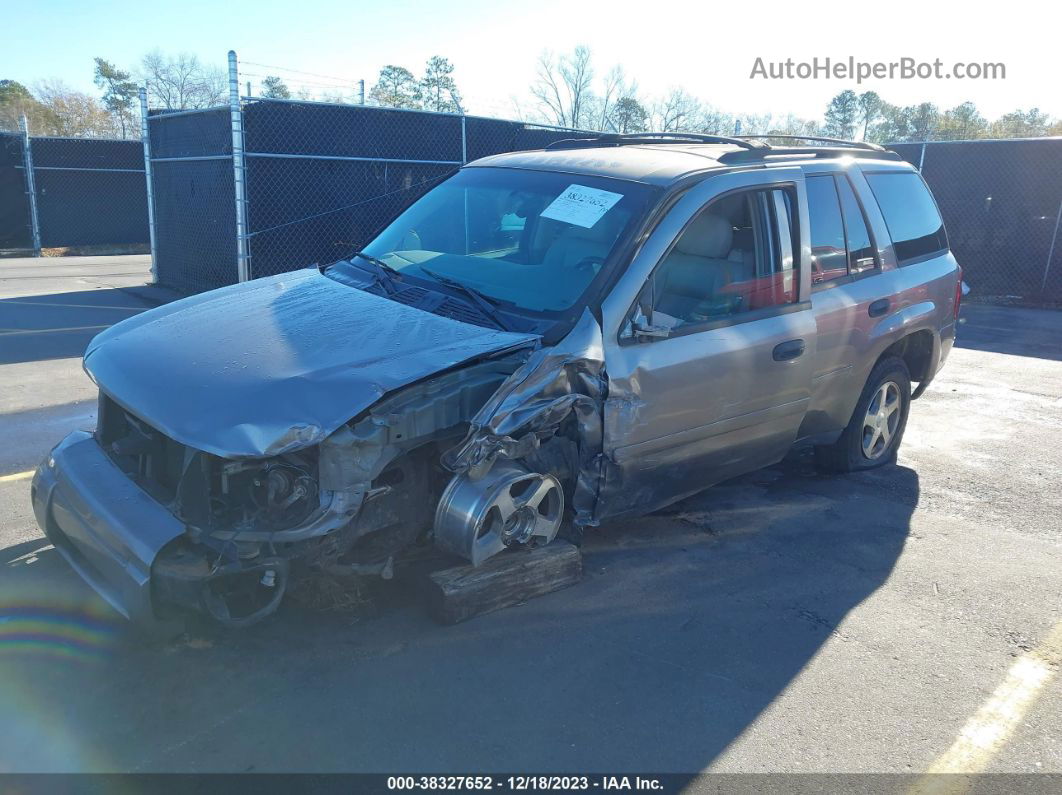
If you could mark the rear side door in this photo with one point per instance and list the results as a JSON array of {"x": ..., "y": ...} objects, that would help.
[
  {"x": 709, "y": 342},
  {"x": 926, "y": 277},
  {"x": 852, "y": 288}
]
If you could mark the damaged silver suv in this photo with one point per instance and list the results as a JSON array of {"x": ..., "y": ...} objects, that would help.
[{"x": 543, "y": 341}]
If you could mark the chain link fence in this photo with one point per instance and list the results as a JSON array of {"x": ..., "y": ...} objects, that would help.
[
  {"x": 72, "y": 193},
  {"x": 284, "y": 184},
  {"x": 1002, "y": 206},
  {"x": 322, "y": 178},
  {"x": 193, "y": 197}
]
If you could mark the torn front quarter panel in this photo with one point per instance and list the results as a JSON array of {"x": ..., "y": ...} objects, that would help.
[
  {"x": 554, "y": 384},
  {"x": 276, "y": 364}
]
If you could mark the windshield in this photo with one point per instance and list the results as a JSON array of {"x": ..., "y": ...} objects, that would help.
[{"x": 532, "y": 239}]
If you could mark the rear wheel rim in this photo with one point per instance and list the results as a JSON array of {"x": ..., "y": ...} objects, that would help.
[{"x": 882, "y": 420}]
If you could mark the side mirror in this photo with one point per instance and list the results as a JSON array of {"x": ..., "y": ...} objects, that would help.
[
  {"x": 640, "y": 328},
  {"x": 643, "y": 329}
]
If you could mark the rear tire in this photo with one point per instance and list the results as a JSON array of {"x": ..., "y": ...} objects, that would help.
[{"x": 875, "y": 431}]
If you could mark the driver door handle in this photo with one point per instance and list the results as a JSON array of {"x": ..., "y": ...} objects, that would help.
[{"x": 790, "y": 349}]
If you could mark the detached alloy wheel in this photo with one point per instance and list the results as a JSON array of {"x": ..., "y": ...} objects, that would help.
[{"x": 874, "y": 433}]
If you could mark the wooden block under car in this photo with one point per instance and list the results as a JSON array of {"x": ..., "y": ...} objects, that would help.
[{"x": 514, "y": 576}]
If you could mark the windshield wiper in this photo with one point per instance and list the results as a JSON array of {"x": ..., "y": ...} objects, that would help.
[
  {"x": 483, "y": 302},
  {"x": 384, "y": 274}
]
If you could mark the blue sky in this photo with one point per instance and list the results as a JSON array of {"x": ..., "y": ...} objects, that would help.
[{"x": 709, "y": 49}]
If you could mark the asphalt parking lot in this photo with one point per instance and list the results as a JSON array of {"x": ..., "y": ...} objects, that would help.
[{"x": 904, "y": 620}]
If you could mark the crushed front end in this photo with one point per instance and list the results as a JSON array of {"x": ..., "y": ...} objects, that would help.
[{"x": 153, "y": 524}]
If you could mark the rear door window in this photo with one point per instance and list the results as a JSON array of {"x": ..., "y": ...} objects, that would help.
[
  {"x": 910, "y": 214},
  {"x": 828, "y": 253},
  {"x": 861, "y": 251}
]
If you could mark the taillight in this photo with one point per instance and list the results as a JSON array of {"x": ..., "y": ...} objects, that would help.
[{"x": 958, "y": 292}]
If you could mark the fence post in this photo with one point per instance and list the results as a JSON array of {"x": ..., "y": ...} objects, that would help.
[
  {"x": 239, "y": 172},
  {"x": 1051, "y": 252},
  {"x": 922, "y": 157},
  {"x": 464, "y": 140},
  {"x": 31, "y": 185},
  {"x": 464, "y": 159},
  {"x": 145, "y": 136}
]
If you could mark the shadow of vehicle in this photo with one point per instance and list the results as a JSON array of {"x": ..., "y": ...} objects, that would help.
[
  {"x": 1010, "y": 330},
  {"x": 687, "y": 626},
  {"x": 61, "y": 325}
]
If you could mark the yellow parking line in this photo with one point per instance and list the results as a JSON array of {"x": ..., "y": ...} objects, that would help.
[
  {"x": 7, "y": 333},
  {"x": 985, "y": 734},
  {"x": 16, "y": 476}
]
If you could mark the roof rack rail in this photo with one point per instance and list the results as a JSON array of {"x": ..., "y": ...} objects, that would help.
[
  {"x": 752, "y": 148},
  {"x": 619, "y": 139},
  {"x": 760, "y": 155},
  {"x": 823, "y": 139}
]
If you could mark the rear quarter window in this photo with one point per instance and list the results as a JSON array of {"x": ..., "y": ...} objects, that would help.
[{"x": 910, "y": 214}]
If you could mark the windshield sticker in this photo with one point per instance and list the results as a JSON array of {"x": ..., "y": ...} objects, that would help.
[{"x": 581, "y": 206}]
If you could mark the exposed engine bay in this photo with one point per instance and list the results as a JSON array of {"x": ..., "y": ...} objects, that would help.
[{"x": 476, "y": 459}]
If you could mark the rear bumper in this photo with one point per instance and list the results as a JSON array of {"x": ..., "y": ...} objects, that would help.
[{"x": 108, "y": 529}]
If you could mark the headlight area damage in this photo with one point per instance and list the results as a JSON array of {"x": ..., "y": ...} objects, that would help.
[{"x": 482, "y": 456}]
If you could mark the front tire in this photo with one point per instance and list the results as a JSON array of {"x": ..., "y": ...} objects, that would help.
[{"x": 876, "y": 429}]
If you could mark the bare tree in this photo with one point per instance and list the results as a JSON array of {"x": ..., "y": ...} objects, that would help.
[
  {"x": 563, "y": 87},
  {"x": 794, "y": 125},
  {"x": 578, "y": 74},
  {"x": 614, "y": 88},
  {"x": 753, "y": 124},
  {"x": 69, "y": 113},
  {"x": 715, "y": 122},
  {"x": 335, "y": 96},
  {"x": 547, "y": 89},
  {"x": 679, "y": 111},
  {"x": 181, "y": 82}
]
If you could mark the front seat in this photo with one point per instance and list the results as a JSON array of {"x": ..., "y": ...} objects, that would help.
[
  {"x": 690, "y": 281},
  {"x": 576, "y": 256},
  {"x": 572, "y": 246}
]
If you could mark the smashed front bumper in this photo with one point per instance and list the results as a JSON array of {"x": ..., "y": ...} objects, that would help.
[{"x": 108, "y": 529}]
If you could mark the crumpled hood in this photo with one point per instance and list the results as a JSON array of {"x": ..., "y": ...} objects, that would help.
[{"x": 275, "y": 364}]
